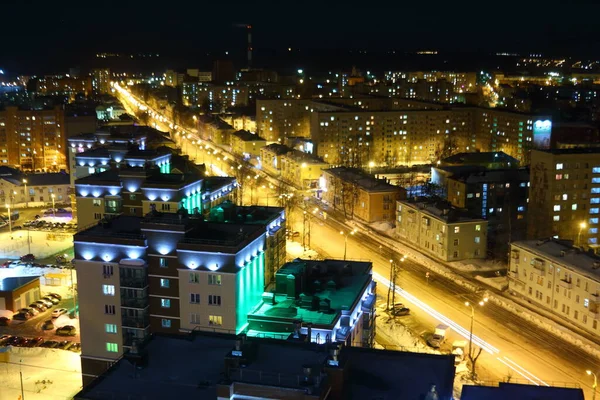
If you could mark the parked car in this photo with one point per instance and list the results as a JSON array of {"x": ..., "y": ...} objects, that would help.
[
  {"x": 4, "y": 321},
  {"x": 4, "y": 339},
  {"x": 31, "y": 311},
  {"x": 38, "y": 306},
  {"x": 51, "y": 299},
  {"x": 22, "y": 316},
  {"x": 438, "y": 337},
  {"x": 55, "y": 295},
  {"x": 67, "y": 330},
  {"x": 52, "y": 344},
  {"x": 48, "y": 325},
  {"x": 35, "y": 342},
  {"x": 65, "y": 344},
  {"x": 76, "y": 347},
  {"x": 28, "y": 258},
  {"x": 20, "y": 342},
  {"x": 45, "y": 302},
  {"x": 58, "y": 312},
  {"x": 17, "y": 228}
]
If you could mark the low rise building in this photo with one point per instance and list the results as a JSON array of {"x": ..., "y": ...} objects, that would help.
[
  {"x": 360, "y": 195},
  {"x": 33, "y": 190},
  {"x": 324, "y": 301},
  {"x": 19, "y": 291},
  {"x": 302, "y": 170},
  {"x": 270, "y": 157},
  {"x": 558, "y": 278},
  {"x": 246, "y": 144},
  {"x": 441, "y": 231}
]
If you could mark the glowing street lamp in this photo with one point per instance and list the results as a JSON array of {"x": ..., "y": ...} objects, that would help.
[
  {"x": 471, "y": 356},
  {"x": 53, "y": 208},
  {"x": 371, "y": 165},
  {"x": 26, "y": 194},
  {"x": 595, "y": 383},
  {"x": 346, "y": 239},
  {"x": 582, "y": 226}
]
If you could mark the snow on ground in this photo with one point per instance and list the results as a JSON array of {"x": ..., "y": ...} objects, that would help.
[
  {"x": 48, "y": 374},
  {"x": 498, "y": 282},
  {"x": 42, "y": 244},
  {"x": 385, "y": 227},
  {"x": 478, "y": 265},
  {"x": 28, "y": 270},
  {"x": 295, "y": 250}
]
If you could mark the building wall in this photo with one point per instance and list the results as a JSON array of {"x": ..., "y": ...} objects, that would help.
[
  {"x": 15, "y": 194},
  {"x": 302, "y": 173},
  {"x": 565, "y": 193},
  {"x": 271, "y": 161},
  {"x": 555, "y": 287},
  {"x": 446, "y": 241},
  {"x": 33, "y": 139},
  {"x": 21, "y": 297},
  {"x": 242, "y": 147}
]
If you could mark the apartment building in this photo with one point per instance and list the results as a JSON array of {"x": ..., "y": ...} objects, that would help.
[
  {"x": 301, "y": 169},
  {"x": 33, "y": 139},
  {"x": 270, "y": 157},
  {"x": 441, "y": 231},
  {"x": 213, "y": 97},
  {"x": 144, "y": 184},
  {"x": 215, "y": 129},
  {"x": 360, "y": 195},
  {"x": 20, "y": 190},
  {"x": 246, "y": 144},
  {"x": 559, "y": 278},
  {"x": 165, "y": 272},
  {"x": 63, "y": 85},
  {"x": 101, "y": 80},
  {"x": 564, "y": 198}
]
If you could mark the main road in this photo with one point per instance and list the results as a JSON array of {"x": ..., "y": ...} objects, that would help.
[{"x": 514, "y": 348}]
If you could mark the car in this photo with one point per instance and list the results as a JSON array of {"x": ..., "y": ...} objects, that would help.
[
  {"x": 5, "y": 264},
  {"x": 67, "y": 330},
  {"x": 55, "y": 295},
  {"x": 4, "y": 321},
  {"x": 31, "y": 311},
  {"x": 35, "y": 342},
  {"x": 58, "y": 312},
  {"x": 4, "y": 339},
  {"x": 17, "y": 228},
  {"x": 51, "y": 344},
  {"x": 28, "y": 258},
  {"x": 27, "y": 224},
  {"x": 76, "y": 348},
  {"x": 19, "y": 342},
  {"x": 65, "y": 344},
  {"x": 22, "y": 316},
  {"x": 38, "y": 306},
  {"x": 291, "y": 233},
  {"x": 45, "y": 302},
  {"x": 51, "y": 299},
  {"x": 48, "y": 325},
  {"x": 399, "y": 312}
]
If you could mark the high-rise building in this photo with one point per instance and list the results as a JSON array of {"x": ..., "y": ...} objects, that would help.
[
  {"x": 564, "y": 199},
  {"x": 171, "y": 273},
  {"x": 33, "y": 139},
  {"x": 101, "y": 80},
  {"x": 63, "y": 85},
  {"x": 223, "y": 71}
]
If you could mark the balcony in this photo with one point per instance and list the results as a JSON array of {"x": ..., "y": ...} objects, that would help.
[
  {"x": 141, "y": 321},
  {"x": 567, "y": 284},
  {"x": 112, "y": 210},
  {"x": 135, "y": 282},
  {"x": 140, "y": 336},
  {"x": 134, "y": 302}
]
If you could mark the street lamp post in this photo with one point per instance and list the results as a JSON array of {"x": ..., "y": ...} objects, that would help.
[
  {"x": 595, "y": 383},
  {"x": 9, "y": 219},
  {"x": 26, "y": 194},
  {"x": 472, "y": 357},
  {"x": 346, "y": 240},
  {"x": 53, "y": 209},
  {"x": 582, "y": 226}
]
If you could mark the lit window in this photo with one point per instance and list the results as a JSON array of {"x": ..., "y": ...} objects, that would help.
[
  {"x": 165, "y": 283},
  {"x": 520, "y": 208},
  {"x": 477, "y": 239},
  {"x": 556, "y": 218},
  {"x": 214, "y": 279},
  {"x": 194, "y": 277},
  {"x": 478, "y": 227},
  {"x": 593, "y": 230},
  {"x": 559, "y": 166},
  {"x": 593, "y": 221},
  {"x": 163, "y": 262},
  {"x": 558, "y": 177},
  {"x": 595, "y": 180},
  {"x": 586, "y": 303},
  {"x": 110, "y": 328},
  {"x": 165, "y": 303},
  {"x": 596, "y": 170},
  {"x": 215, "y": 320},
  {"x": 112, "y": 347},
  {"x": 108, "y": 290},
  {"x": 595, "y": 200},
  {"x": 565, "y": 196},
  {"x": 573, "y": 207},
  {"x": 165, "y": 323},
  {"x": 557, "y": 207},
  {"x": 594, "y": 210},
  {"x": 456, "y": 229}
]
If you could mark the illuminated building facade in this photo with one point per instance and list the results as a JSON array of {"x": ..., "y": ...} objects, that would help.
[
  {"x": 64, "y": 85},
  {"x": 101, "y": 80},
  {"x": 168, "y": 273},
  {"x": 564, "y": 198},
  {"x": 33, "y": 139}
]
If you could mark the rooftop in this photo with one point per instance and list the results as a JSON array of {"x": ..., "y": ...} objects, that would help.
[
  {"x": 440, "y": 210},
  {"x": 481, "y": 158},
  {"x": 122, "y": 227},
  {"x": 110, "y": 176},
  {"x": 47, "y": 179},
  {"x": 298, "y": 155},
  {"x": 211, "y": 183},
  {"x": 341, "y": 282},
  {"x": 577, "y": 150},
  {"x": 478, "y": 174},
  {"x": 247, "y": 136},
  {"x": 229, "y": 212},
  {"x": 362, "y": 179},
  {"x": 172, "y": 180},
  {"x": 93, "y": 153},
  {"x": 563, "y": 252},
  {"x": 10, "y": 284},
  {"x": 277, "y": 148}
]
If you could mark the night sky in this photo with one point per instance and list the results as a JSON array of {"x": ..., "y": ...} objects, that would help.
[{"x": 41, "y": 32}]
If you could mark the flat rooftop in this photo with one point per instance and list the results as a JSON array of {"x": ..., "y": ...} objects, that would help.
[
  {"x": 351, "y": 279},
  {"x": 583, "y": 262},
  {"x": 172, "y": 180},
  {"x": 365, "y": 181},
  {"x": 122, "y": 227},
  {"x": 12, "y": 283},
  {"x": 191, "y": 369},
  {"x": 480, "y": 158},
  {"x": 247, "y": 136},
  {"x": 445, "y": 213}
]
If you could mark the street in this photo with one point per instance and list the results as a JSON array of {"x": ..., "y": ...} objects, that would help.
[{"x": 514, "y": 349}]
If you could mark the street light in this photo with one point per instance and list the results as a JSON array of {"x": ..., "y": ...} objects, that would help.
[
  {"x": 9, "y": 219},
  {"x": 53, "y": 209},
  {"x": 346, "y": 240},
  {"x": 595, "y": 383},
  {"x": 26, "y": 194},
  {"x": 471, "y": 357},
  {"x": 371, "y": 165},
  {"x": 582, "y": 226}
]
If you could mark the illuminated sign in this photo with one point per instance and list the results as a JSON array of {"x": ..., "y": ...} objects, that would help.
[{"x": 542, "y": 131}]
